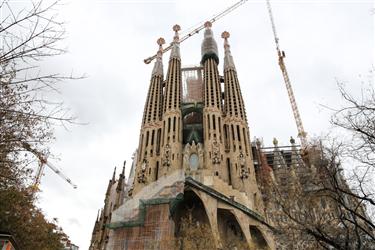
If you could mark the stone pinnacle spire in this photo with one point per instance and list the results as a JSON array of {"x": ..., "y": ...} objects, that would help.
[
  {"x": 121, "y": 179},
  {"x": 114, "y": 176},
  {"x": 175, "y": 53},
  {"x": 228, "y": 59},
  {"x": 209, "y": 45},
  {"x": 123, "y": 168},
  {"x": 158, "y": 67}
]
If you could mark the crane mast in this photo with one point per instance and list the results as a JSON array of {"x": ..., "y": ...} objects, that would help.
[
  {"x": 281, "y": 55},
  {"x": 200, "y": 27}
]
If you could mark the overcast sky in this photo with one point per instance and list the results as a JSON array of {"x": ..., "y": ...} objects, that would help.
[{"x": 324, "y": 41}]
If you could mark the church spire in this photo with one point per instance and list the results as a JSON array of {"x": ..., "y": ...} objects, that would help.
[
  {"x": 114, "y": 176},
  {"x": 233, "y": 105},
  {"x": 209, "y": 45},
  {"x": 172, "y": 122},
  {"x": 121, "y": 179},
  {"x": 153, "y": 106},
  {"x": 175, "y": 53},
  {"x": 228, "y": 59},
  {"x": 158, "y": 66}
]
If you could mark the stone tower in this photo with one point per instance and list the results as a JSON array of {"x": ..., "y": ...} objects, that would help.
[{"x": 194, "y": 159}]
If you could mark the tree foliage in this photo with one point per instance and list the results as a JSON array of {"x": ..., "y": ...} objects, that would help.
[{"x": 30, "y": 33}]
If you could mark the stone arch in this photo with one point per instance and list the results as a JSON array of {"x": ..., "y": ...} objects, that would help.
[
  {"x": 191, "y": 212},
  {"x": 258, "y": 239},
  {"x": 231, "y": 233}
]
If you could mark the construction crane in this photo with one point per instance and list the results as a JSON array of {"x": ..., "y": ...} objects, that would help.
[
  {"x": 200, "y": 27},
  {"x": 42, "y": 163},
  {"x": 281, "y": 55}
]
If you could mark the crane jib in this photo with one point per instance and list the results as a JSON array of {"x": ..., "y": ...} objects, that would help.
[{"x": 200, "y": 27}]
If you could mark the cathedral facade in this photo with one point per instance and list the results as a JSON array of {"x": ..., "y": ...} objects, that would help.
[{"x": 195, "y": 161}]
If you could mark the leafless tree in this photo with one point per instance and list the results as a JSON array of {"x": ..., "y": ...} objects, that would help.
[
  {"x": 333, "y": 207},
  {"x": 30, "y": 33}
]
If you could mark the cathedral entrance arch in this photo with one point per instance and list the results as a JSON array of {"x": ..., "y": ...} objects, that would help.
[
  {"x": 231, "y": 234},
  {"x": 258, "y": 240},
  {"x": 192, "y": 227}
]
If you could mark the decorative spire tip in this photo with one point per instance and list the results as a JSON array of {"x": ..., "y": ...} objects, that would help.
[
  {"x": 225, "y": 35},
  {"x": 160, "y": 41},
  {"x": 176, "y": 28},
  {"x": 292, "y": 140},
  {"x": 275, "y": 142},
  {"x": 208, "y": 24}
]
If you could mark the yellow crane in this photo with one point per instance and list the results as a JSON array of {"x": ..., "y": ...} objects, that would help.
[
  {"x": 200, "y": 27},
  {"x": 42, "y": 163},
  {"x": 281, "y": 55}
]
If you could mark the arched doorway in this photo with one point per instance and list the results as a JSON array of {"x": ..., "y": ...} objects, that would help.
[
  {"x": 258, "y": 239},
  {"x": 231, "y": 234},
  {"x": 192, "y": 227}
]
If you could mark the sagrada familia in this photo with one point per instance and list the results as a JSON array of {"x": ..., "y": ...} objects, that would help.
[{"x": 195, "y": 160}]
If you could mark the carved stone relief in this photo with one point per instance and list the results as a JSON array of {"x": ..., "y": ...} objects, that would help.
[
  {"x": 142, "y": 178},
  {"x": 215, "y": 152},
  {"x": 193, "y": 157},
  {"x": 167, "y": 156},
  {"x": 244, "y": 173}
]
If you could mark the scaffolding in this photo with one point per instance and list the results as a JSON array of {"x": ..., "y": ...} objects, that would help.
[{"x": 192, "y": 84}]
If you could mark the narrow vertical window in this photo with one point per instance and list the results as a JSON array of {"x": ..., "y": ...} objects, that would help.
[
  {"x": 152, "y": 137},
  {"x": 238, "y": 133},
  {"x": 232, "y": 132},
  {"x": 229, "y": 173},
  {"x": 157, "y": 171},
  {"x": 174, "y": 124},
  {"x": 169, "y": 125},
  {"x": 147, "y": 135}
]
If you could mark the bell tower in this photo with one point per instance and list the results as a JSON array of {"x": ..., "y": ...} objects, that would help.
[
  {"x": 148, "y": 162},
  {"x": 172, "y": 123},
  {"x": 213, "y": 106},
  {"x": 238, "y": 160}
]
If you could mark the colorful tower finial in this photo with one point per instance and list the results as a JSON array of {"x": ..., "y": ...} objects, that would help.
[
  {"x": 225, "y": 35},
  {"x": 207, "y": 24},
  {"x": 160, "y": 42},
  {"x": 175, "y": 53},
  {"x": 176, "y": 29},
  {"x": 228, "y": 59},
  {"x": 158, "y": 67}
]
